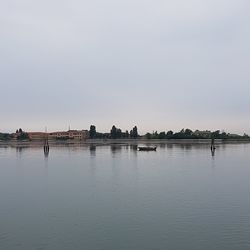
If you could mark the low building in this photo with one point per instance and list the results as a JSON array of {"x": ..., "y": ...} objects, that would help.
[
  {"x": 70, "y": 134},
  {"x": 37, "y": 135}
]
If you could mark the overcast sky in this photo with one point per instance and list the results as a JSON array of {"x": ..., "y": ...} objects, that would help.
[{"x": 157, "y": 64}]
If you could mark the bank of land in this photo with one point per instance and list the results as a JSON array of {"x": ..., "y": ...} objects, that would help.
[{"x": 115, "y": 134}]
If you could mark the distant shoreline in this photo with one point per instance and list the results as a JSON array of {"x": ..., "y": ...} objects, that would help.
[{"x": 120, "y": 141}]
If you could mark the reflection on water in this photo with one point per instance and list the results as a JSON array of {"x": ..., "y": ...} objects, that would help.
[
  {"x": 115, "y": 149},
  {"x": 92, "y": 150},
  {"x": 46, "y": 154},
  {"x": 183, "y": 196},
  {"x": 213, "y": 152},
  {"x": 19, "y": 149},
  {"x": 134, "y": 147}
]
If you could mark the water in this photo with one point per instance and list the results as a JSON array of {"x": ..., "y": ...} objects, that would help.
[{"x": 114, "y": 197}]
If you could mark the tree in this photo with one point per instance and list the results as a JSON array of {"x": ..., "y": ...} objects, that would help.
[
  {"x": 113, "y": 133},
  {"x": 155, "y": 135},
  {"x": 23, "y": 136},
  {"x": 223, "y": 135},
  {"x": 215, "y": 134},
  {"x": 126, "y": 134},
  {"x": 5, "y": 136},
  {"x": 170, "y": 134},
  {"x": 162, "y": 135},
  {"x": 118, "y": 133},
  {"x": 134, "y": 132},
  {"x": 188, "y": 132},
  {"x": 20, "y": 130},
  {"x": 148, "y": 136},
  {"x": 131, "y": 134},
  {"x": 92, "y": 132}
]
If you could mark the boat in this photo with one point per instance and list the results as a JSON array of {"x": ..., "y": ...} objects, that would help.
[{"x": 147, "y": 148}]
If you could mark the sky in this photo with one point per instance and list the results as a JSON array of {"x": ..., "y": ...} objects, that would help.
[{"x": 157, "y": 64}]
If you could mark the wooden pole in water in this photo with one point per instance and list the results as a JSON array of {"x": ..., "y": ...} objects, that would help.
[
  {"x": 212, "y": 145},
  {"x": 46, "y": 147},
  {"x": 46, "y": 142}
]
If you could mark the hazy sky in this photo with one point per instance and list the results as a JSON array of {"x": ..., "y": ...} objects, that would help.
[{"x": 159, "y": 64}]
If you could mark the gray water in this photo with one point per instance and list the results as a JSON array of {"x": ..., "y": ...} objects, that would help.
[{"x": 114, "y": 197}]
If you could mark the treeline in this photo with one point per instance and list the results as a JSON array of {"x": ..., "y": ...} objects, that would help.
[
  {"x": 5, "y": 136},
  {"x": 189, "y": 134},
  {"x": 115, "y": 133},
  {"x": 19, "y": 135}
]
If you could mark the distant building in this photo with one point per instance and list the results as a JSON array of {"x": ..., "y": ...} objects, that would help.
[
  {"x": 37, "y": 135},
  {"x": 70, "y": 134}
]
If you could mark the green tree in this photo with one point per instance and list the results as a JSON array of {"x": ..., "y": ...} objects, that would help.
[
  {"x": 23, "y": 136},
  {"x": 155, "y": 135},
  {"x": 215, "y": 134},
  {"x": 5, "y": 136},
  {"x": 131, "y": 134},
  {"x": 113, "y": 133},
  {"x": 118, "y": 133},
  {"x": 188, "y": 132},
  {"x": 223, "y": 135},
  {"x": 162, "y": 135},
  {"x": 148, "y": 136},
  {"x": 182, "y": 131},
  {"x": 92, "y": 132},
  {"x": 134, "y": 132},
  {"x": 169, "y": 134},
  {"x": 126, "y": 134}
]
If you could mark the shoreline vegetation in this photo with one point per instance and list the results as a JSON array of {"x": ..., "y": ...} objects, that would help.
[{"x": 116, "y": 135}]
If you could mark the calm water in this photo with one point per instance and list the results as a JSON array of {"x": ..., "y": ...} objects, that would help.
[{"x": 114, "y": 197}]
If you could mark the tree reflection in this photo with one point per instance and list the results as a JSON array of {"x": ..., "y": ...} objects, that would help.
[
  {"x": 92, "y": 150},
  {"x": 115, "y": 149}
]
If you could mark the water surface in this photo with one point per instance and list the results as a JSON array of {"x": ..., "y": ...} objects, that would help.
[{"x": 114, "y": 197}]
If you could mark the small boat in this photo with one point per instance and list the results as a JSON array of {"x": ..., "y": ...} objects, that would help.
[{"x": 147, "y": 148}]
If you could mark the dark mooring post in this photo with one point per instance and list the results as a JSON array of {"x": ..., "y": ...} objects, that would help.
[
  {"x": 46, "y": 144},
  {"x": 46, "y": 147},
  {"x": 212, "y": 145}
]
